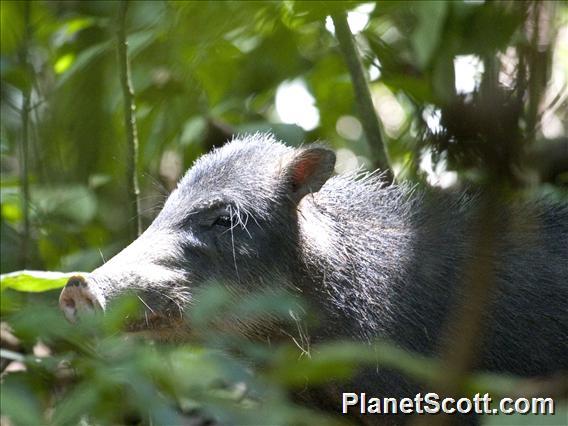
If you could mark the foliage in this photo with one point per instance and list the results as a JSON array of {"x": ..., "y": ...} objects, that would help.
[
  {"x": 201, "y": 72},
  {"x": 104, "y": 377},
  {"x": 34, "y": 280},
  {"x": 94, "y": 373}
]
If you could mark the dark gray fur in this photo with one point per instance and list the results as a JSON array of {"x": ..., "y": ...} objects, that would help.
[{"x": 373, "y": 260}]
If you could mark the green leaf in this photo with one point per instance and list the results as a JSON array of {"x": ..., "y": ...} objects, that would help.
[
  {"x": 83, "y": 399},
  {"x": 340, "y": 359},
  {"x": 11, "y": 301},
  {"x": 139, "y": 41},
  {"x": 63, "y": 63},
  {"x": 193, "y": 130},
  {"x": 426, "y": 37},
  {"x": 20, "y": 401},
  {"x": 293, "y": 135},
  {"x": 443, "y": 79},
  {"x": 11, "y": 25},
  {"x": 35, "y": 281},
  {"x": 417, "y": 88},
  {"x": 75, "y": 203},
  {"x": 82, "y": 62}
]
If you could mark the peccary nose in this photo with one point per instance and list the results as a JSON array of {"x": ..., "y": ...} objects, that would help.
[{"x": 78, "y": 298}]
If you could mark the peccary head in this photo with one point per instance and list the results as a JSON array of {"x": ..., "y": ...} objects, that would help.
[{"x": 232, "y": 219}]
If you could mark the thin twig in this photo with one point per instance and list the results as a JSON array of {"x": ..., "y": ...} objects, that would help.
[
  {"x": 24, "y": 147},
  {"x": 129, "y": 120},
  {"x": 533, "y": 92},
  {"x": 369, "y": 118}
]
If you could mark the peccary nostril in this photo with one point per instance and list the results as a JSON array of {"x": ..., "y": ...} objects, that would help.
[
  {"x": 77, "y": 297},
  {"x": 76, "y": 281}
]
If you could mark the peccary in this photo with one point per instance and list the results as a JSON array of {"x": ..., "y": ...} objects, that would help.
[{"x": 372, "y": 259}]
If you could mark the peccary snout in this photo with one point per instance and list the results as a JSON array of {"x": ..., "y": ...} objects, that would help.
[{"x": 78, "y": 297}]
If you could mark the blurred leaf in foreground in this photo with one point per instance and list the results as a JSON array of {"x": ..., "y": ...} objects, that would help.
[{"x": 35, "y": 281}]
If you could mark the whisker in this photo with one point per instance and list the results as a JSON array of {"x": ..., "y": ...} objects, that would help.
[
  {"x": 145, "y": 304},
  {"x": 102, "y": 256},
  {"x": 233, "y": 246}
]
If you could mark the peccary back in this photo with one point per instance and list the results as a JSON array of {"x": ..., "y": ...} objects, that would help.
[{"x": 394, "y": 260}]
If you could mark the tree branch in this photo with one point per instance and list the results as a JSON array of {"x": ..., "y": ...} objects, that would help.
[
  {"x": 24, "y": 147},
  {"x": 369, "y": 118},
  {"x": 129, "y": 121}
]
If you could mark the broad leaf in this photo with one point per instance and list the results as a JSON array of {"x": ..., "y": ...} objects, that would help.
[{"x": 35, "y": 281}]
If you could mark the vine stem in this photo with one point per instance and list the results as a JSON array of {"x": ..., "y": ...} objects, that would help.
[
  {"x": 368, "y": 115},
  {"x": 129, "y": 121},
  {"x": 24, "y": 147}
]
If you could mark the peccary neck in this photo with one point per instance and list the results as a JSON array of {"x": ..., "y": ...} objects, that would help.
[
  {"x": 358, "y": 245},
  {"x": 384, "y": 261}
]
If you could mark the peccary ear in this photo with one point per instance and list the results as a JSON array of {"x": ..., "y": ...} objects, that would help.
[{"x": 308, "y": 170}]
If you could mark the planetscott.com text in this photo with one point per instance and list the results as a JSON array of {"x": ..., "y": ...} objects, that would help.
[{"x": 432, "y": 403}]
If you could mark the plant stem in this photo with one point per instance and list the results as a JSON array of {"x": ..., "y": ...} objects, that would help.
[
  {"x": 369, "y": 119},
  {"x": 129, "y": 121},
  {"x": 24, "y": 146}
]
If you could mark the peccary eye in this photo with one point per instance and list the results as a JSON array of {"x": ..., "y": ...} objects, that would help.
[{"x": 223, "y": 221}]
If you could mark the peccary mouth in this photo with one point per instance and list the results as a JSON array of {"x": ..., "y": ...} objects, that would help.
[
  {"x": 152, "y": 321},
  {"x": 159, "y": 326}
]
